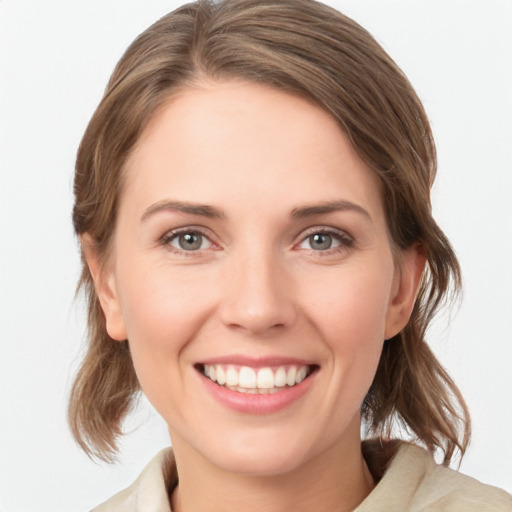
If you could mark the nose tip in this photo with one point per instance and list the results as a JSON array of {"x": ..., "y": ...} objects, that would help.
[
  {"x": 258, "y": 300},
  {"x": 255, "y": 321}
]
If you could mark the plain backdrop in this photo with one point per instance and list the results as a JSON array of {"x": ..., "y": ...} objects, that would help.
[{"x": 55, "y": 59}]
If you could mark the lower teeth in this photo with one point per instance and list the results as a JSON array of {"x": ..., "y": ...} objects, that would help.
[{"x": 256, "y": 391}]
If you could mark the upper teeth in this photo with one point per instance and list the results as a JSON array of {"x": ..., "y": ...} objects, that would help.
[{"x": 262, "y": 378}]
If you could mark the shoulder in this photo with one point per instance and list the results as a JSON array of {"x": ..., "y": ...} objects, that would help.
[
  {"x": 150, "y": 492},
  {"x": 443, "y": 488},
  {"x": 414, "y": 482}
]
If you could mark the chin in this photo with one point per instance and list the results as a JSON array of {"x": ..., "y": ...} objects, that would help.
[
  {"x": 260, "y": 463},
  {"x": 263, "y": 455}
]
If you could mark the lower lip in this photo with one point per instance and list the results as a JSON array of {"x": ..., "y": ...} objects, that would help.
[{"x": 255, "y": 403}]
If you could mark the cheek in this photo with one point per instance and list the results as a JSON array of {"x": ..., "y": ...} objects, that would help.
[
  {"x": 352, "y": 306},
  {"x": 157, "y": 298},
  {"x": 162, "y": 313},
  {"x": 350, "y": 314}
]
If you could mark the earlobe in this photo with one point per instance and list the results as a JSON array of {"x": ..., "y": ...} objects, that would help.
[
  {"x": 105, "y": 285},
  {"x": 407, "y": 282}
]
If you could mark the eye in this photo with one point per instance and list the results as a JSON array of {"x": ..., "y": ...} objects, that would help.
[
  {"x": 324, "y": 240},
  {"x": 321, "y": 241},
  {"x": 188, "y": 241}
]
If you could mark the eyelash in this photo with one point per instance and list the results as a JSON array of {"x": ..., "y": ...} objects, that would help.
[
  {"x": 170, "y": 236},
  {"x": 344, "y": 239}
]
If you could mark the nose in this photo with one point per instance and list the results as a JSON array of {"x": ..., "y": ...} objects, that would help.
[{"x": 257, "y": 294}]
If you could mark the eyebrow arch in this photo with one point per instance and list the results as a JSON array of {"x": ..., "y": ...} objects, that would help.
[
  {"x": 329, "y": 207},
  {"x": 203, "y": 210}
]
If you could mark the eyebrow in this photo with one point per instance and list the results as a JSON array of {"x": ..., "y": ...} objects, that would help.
[
  {"x": 329, "y": 207},
  {"x": 205, "y": 210},
  {"x": 202, "y": 210}
]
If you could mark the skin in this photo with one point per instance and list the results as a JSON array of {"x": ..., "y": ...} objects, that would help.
[{"x": 257, "y": 286}]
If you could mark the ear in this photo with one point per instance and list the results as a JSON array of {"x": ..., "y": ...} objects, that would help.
[
  {"x": 105, "y": 285},
  {"x": 405, "y": 289}
]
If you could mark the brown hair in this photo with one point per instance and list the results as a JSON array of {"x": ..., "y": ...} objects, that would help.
[{"x": 311, "y": 50}]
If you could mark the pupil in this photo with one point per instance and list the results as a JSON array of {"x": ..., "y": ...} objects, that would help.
[
  {"x": 190, "y": 241},
  {"x": 321, "y": 242}
]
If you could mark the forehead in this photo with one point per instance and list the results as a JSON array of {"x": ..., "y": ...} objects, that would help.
[{"x": 223, "y": 142}]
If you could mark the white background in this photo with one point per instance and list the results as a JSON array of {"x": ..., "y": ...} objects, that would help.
[{"x": 55, "y": 59}]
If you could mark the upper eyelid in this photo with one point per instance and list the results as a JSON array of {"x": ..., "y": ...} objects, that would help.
[
  {"x": 324, "y": 229},
  {"x": 188, "y": 229}
]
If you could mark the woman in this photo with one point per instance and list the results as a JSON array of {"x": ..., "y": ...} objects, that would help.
[{"x": 252, "y": 199}]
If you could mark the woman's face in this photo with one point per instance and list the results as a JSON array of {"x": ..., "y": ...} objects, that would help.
[{"x": 251, "y": 272}]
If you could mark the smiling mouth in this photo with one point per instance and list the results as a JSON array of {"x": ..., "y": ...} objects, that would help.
[{"x": 262, "y": 381}]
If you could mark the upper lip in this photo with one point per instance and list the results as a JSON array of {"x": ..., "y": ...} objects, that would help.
[{"x": 256, "y": 362}]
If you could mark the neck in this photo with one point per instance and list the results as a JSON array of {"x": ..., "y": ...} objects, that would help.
[{"x": 335, "y": 480}]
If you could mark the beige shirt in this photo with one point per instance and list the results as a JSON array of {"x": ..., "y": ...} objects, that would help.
[{"x": 413, "y": 482}]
